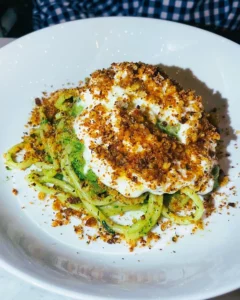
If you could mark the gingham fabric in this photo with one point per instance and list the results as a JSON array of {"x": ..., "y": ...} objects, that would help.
[{"x": 218, "y": 13}]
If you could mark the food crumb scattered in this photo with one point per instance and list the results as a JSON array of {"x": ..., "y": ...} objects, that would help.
[
  {"x": 165, "y": 225},
  {"x": 91, "y": 222},
  {"x": 15, "y": 192},
  {"x": 175, "y": 238},
  {"x": 41, "y": 196},
  {"x": 79, "y": 231},
  {"x": 224, "y": 181}
]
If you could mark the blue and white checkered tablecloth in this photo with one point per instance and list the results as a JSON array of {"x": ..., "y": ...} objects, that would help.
[{"x": 224, "y": 14}]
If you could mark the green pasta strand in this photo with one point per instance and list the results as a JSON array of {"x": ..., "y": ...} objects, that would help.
[
  {"x": 34, "y": 181},
  {"x": 64, "y": 186},
  {"x": 113, "y": 209},
  {"x": 49, "y": 148},
  {"x": 10, "y": 158},
  {"x": 142, "y": 227},
  {"x": 64, "y": 200},
  {"x": 186, "y": 220},
  {"x": 176, "y": 201}
]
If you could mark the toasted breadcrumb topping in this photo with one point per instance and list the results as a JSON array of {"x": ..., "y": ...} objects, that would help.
[{"x": 154, "y": 155}]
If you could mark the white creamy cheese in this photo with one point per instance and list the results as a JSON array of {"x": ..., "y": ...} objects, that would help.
[{"x": 102, "y": 168}]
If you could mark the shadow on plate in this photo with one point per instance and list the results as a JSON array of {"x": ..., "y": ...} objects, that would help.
[{"x": 213, "y": 102}]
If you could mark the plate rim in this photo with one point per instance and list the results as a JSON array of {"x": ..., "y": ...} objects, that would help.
[
  {"x": 43, "y": 284},
  {"x": 175, "y": 23}
]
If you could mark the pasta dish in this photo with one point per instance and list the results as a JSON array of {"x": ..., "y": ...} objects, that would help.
[{"x": 127, "y": 139}]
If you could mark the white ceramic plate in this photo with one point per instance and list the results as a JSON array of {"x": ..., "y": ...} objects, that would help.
[{"x": 199, "y": 266}]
